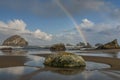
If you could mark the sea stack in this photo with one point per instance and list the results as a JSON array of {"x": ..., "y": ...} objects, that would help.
[{"x": 15, "y": 40}]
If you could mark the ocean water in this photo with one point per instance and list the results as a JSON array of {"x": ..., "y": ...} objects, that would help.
[{"x": 25, "y": 65}]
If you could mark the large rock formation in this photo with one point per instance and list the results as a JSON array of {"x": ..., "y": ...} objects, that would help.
[
  {"x": 64, "y": 59},
  {"x": 111, "y": 45},
  {"x": 15, "y": 40}
]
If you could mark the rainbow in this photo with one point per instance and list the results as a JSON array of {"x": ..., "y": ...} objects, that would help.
[{"x": 73, "y": 20}]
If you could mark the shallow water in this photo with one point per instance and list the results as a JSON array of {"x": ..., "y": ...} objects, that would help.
[
  {"x": 102, "y": 54},
  {"x": 21, "y": 65}
]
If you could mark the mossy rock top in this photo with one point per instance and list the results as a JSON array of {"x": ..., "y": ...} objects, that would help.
[{"x": 64, "y": 60}]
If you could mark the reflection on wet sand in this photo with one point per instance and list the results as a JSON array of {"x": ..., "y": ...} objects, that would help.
[
  {"x": 14, "y": 73},
  {"x": 64, "y": 71},
  {"x": 61, "y": 71},
  {"x": 101, "y": 50},
  {"x": 114, "y": 53},
  {"x": 112, "y": 74}
]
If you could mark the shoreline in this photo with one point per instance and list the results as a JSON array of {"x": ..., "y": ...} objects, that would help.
[{"x": 98, "y": 50}]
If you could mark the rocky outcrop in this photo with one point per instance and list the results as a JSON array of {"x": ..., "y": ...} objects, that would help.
[
  {"x": 15, "y": 40},
  {"x": 64, "y": 59},
  {"x": 111, "y": 45}
]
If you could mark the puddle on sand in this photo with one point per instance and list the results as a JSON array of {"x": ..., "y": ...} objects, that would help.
[{"x": 36, "y": 61}]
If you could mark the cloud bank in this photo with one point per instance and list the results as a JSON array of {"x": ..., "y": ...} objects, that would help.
[{"x": 20, "y": 27}]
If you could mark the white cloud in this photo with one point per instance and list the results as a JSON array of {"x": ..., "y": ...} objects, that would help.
[
  {"x": 19, "y": 27},
  {"x": 14, "y": 25},
  {"x": 42, "y": 35},
  {"x": 98, "y": 27},
  {"x": 17, "y": 24},
  {"x": 86, "y": 23}
]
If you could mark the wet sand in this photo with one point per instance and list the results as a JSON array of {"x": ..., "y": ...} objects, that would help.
[
  {"x": 12, "y": 61},
  {"x": 113, "y": 62}
]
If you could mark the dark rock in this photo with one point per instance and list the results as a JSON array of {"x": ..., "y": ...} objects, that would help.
[
  {"x": 58, "y": 47},
  {"x": 64, "y": 59},
  {"x": 111, "y": 45},
  {"x": 15, "y": 40}
]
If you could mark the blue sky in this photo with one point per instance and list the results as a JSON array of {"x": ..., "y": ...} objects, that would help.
[{"x": 44, "y": 22}]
